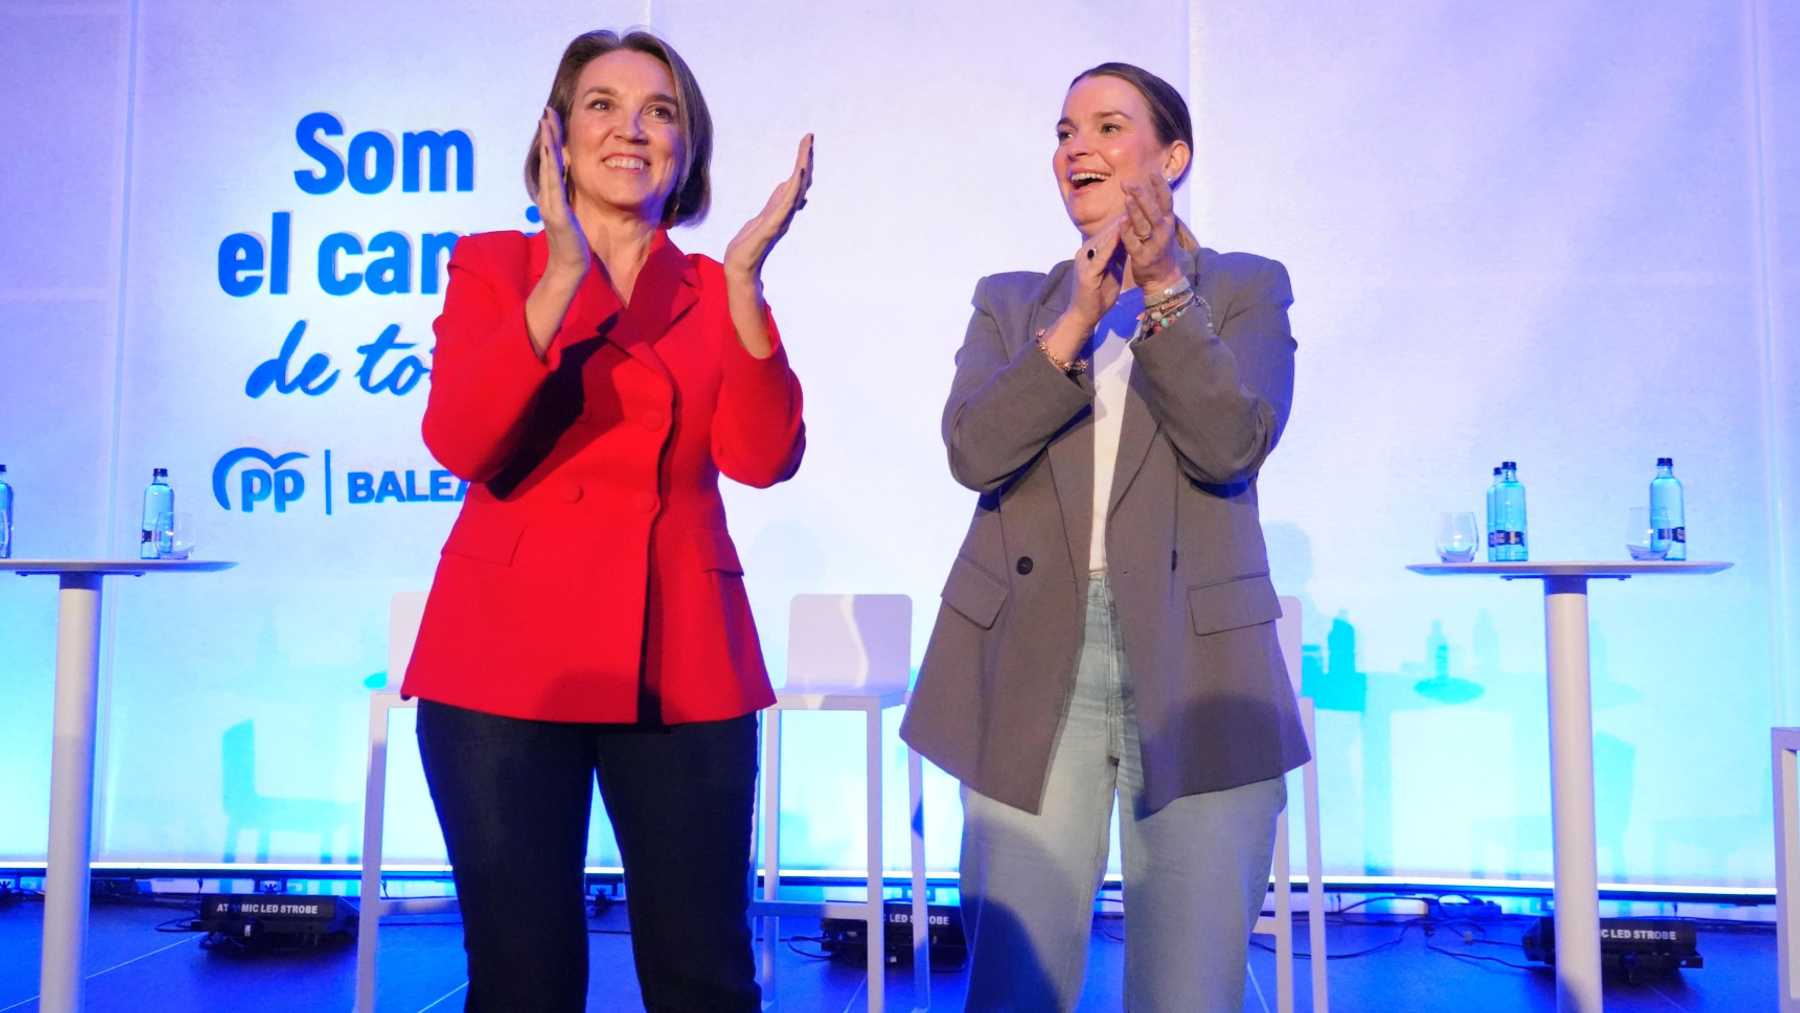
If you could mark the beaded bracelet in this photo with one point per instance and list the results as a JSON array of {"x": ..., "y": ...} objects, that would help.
[{"x": 1155, "y": 318}]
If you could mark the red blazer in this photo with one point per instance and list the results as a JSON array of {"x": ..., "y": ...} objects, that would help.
[{"x": 591, "y": 562}]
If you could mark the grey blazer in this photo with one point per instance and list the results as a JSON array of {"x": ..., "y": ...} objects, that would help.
[{"x": 1207, "y": 401}]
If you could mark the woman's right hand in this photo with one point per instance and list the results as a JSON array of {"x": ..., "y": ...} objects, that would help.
[
  {"x": 569, "y": 249},
  {"x": 569, "y": 255},
  {"x": 1098, "y": 272},
  {"x": 1099, "y": 269}
]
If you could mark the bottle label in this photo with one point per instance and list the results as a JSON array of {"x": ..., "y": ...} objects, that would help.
[{"x": 1499, "y": 538}]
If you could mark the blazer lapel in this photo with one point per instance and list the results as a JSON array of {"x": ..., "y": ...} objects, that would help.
[
  {"x": 1136, "y": 432},
  {"x": 1138, "y": 429},
  {"x": 1072, "y": 453},
  {"x": 666, "y": 289},
  {"x": 593, "y": 313}
]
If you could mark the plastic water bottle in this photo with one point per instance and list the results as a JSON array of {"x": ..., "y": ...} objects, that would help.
[
  {"x": 1508, "y": 542},
  {"x": 158, "y": 539},
  {"x": 1493, "y": 514},
  {"x": 6, "y": 515},
  {"x": 1670, "y": 527}
]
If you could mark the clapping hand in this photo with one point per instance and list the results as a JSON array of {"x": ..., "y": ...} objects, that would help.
[
  {"x": 1149, "y": 233},
  {"x": 568, "y": 245},
  {"x": 745, "y": 254}
]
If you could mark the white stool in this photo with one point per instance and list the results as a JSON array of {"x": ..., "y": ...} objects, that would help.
[
  {"x": 1281, "y": 926},
  {"x": 846, "y": 653},
  {"x": 403, "y": 629},
  {"x": 1786, "y": 742}
]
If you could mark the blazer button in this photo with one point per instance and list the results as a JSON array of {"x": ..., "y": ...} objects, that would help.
[
  {"x": 647, "y": 503},
  {"x": 1023, "y": 565},
  {"x": 571, "y": 492}
]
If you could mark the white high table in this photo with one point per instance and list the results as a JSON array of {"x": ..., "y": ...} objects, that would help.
[
  {"x": 60, "y": 977},
  {"x": 1572, "y": 753}
]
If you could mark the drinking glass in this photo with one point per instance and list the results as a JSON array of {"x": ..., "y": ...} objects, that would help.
[
  {"x": 1640, "y": 537},
  {"x": 1456, "y": 537},
  {"x": 184, "y": 537}
]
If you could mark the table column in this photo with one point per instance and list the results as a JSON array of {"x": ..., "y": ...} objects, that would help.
[
  {"x": 1572, "y": 795},
  {"x": 71, "y": 792}
]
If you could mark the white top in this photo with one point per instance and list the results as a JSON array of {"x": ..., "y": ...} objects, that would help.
[
  {"x": 1571, "y": 568},
  {"x": 1109, "y": 355},
  {"x": 119, "y": 567}
]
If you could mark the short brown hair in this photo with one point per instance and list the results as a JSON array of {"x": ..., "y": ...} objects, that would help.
[
  {"x": 693, "y": 194},
  {"x": 1168, "y": 110}
]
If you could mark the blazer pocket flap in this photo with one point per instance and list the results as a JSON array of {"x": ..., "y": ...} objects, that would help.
[
  {"x": 1233, "y": 604},
  {"x": 489, "y": 539},
  {"x": 716, "y": 552},
  {"x": 971, "y": 591}
]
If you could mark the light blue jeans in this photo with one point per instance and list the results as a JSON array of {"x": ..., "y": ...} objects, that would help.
[{"x": 1196, "y": 871}]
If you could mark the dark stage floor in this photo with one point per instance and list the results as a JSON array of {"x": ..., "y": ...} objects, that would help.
[{"x": 135, "y": 967}]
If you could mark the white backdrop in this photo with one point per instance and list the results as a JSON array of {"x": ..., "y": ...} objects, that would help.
[{"x": 1559, "y": 235}]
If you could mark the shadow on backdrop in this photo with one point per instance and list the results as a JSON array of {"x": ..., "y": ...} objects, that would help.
[{"x": 331, "y": 823}]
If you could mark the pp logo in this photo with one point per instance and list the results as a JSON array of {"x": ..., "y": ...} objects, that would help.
[{"x": 271, "y": 482}]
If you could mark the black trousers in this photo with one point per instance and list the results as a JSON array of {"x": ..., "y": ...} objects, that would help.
[{"x": 513, "y": 797}]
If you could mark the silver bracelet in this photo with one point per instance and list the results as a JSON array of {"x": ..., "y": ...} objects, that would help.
[{"x": 1172, "y": 293}]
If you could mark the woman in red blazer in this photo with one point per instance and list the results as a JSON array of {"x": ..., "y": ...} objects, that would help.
[{"x": 588, "y": 618}]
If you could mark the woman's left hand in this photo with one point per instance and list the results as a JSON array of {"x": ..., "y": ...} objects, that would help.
[
  {"x": 745, "y": 254},
  {"x": 1149, "y": 233}
]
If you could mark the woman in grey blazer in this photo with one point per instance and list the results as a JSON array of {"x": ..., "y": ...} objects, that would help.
[{"x": 1108, "y": 624}]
